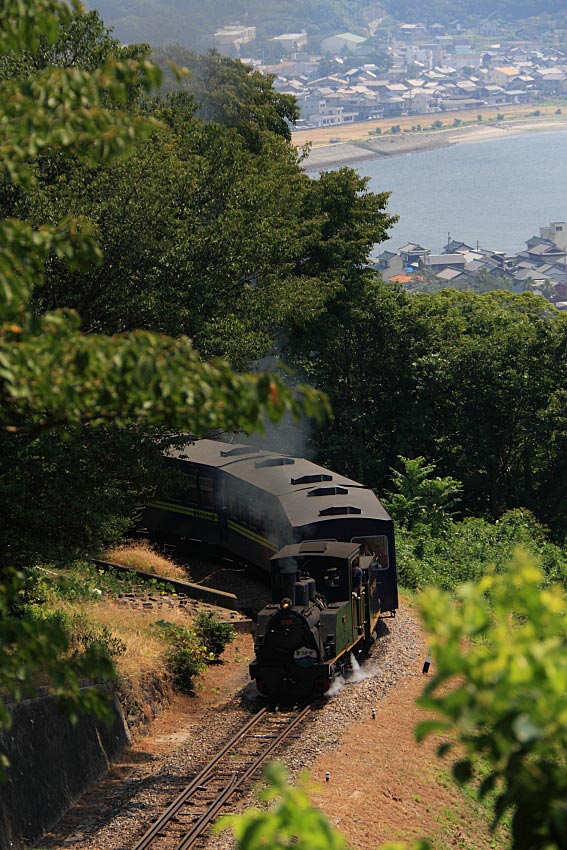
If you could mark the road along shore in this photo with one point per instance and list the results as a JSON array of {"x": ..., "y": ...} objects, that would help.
[{"x": 358, "y": 142}]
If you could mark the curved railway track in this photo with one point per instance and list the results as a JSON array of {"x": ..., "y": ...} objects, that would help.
[{"x": 196, "y": 807}]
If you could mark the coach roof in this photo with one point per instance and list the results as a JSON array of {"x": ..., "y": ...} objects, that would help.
[{"x": 307, "y": 492}]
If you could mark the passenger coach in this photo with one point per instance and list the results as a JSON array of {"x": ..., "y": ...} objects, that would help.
[{"x": 252, "y": 502}]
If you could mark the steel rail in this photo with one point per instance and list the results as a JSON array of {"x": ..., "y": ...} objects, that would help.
[
  {"x": 149, "y": 836},
  {"x": 236, "y": 782}
]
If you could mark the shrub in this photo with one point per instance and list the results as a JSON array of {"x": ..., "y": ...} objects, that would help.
[
  {"x": 83, "y": 635},
  {"x": 213, "y": 634},
  {"x": 466, "y": 550},
  {"x": 86, "y": 635},
  {"x": 419, "y": 497},
  {"x": 36, "y": 588},
  {"x": 186, "y": 654}
]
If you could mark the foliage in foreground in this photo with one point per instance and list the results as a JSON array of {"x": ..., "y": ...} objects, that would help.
[
  {"x": 53, "y": 377},
  {"x": 292, "y": 822},
  {"x": 500, "y": 682},
  {"x": 30, "y": 645}
]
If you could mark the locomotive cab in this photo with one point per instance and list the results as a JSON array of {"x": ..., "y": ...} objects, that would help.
[{"x": 314, "y": 621}]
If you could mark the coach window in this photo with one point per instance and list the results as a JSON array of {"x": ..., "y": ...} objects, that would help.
[
  {"x": 207, "y": 487},
  {"x": 378, "y": 547},
  {"x": 256, "y": 517},
  {"x": 191, "y": 494},
  {"x": 238, "y": 508}
]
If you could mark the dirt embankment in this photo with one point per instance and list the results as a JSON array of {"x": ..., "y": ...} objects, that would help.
[{"x": 382, "y": 786}]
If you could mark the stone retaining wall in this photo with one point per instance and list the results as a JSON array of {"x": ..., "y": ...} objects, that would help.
[{"x": 52, "y": 762}]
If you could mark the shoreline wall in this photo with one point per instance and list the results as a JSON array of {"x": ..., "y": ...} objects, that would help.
[
  {"x": 52, "y": 762},
  {"x": 349, "y": 152}
]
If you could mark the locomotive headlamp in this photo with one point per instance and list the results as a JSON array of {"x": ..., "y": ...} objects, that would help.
[{"x": 285, "y": 603}]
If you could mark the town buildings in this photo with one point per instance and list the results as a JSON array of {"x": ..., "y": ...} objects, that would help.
[
  {"x": 541, "y": 268},
  {"x": 422, "y": 70}
]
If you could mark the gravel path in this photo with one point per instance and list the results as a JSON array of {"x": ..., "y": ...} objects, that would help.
[{"x": 125, "y": 808}]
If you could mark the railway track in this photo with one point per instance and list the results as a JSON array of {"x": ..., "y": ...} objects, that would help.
[{"x": 228, "y": 773}]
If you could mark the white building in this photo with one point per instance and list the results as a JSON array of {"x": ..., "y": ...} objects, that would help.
[
  {"x": 345, "y": 41},
  {"x": 291, "y": 42},
  {"x": 228, "y": 40},
  {"x": 556, "y": 233}
]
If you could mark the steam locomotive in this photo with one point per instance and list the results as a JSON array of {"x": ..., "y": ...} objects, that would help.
[
  {"x": 303, "y": 525},
  {"x": 321, "y": 612}
]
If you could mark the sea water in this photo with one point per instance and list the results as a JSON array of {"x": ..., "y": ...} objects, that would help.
[{"x": 495, "y": 193}]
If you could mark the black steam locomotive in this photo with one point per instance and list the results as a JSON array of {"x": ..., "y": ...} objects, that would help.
[
  {"x": 306, "y": 527},
  {"x": 326, "y": 602}
]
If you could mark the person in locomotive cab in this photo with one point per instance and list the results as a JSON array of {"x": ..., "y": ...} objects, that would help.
[{"x": 356, "y": 577}]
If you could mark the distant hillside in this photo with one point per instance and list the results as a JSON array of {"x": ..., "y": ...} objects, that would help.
[
  {"x": 193, "y": 22},
  {"x": 471, "y": 11}
]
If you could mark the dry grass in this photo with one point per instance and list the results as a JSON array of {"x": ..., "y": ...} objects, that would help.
[
  {"x": 141, "y": 556},
  {"x": 145, "y": 652}
]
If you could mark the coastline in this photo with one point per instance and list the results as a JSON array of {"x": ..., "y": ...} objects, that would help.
[{"x": 325, "y": 155}]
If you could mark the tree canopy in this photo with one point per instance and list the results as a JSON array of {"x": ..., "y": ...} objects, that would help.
[
  {"x": 55, "y": 379},
  {"x": 473, "y": 382}
]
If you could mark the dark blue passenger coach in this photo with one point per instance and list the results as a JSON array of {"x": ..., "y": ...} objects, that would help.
[{"x": 253, "y": 502}]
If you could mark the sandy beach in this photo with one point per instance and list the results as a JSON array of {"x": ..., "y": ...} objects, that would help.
[{"x": 358, "y": 142}]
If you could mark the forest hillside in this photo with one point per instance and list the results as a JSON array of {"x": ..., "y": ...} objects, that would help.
[{"x": 192, "y": 23}]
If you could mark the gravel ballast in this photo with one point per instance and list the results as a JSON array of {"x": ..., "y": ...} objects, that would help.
[{"x": 128, "y": 807}]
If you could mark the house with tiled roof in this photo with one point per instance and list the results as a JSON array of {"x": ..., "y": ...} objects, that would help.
[{"x": 503, "y": 75}]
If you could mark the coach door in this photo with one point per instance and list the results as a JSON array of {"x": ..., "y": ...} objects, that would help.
[{"x": 379, "y": 572}]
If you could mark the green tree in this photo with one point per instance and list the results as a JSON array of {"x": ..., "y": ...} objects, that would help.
[
  {"x": 352, "y": 221},
  {"x": 51, "y": 375},
  {"x": 232, "y": 94},
  {"x": 68, "y": 492},
  {"x": 83, "y": 41},
  {"x": 361, "y": 349},
  {"x": 499, "y": 682},
  {"x": 489, "y": 368},
  {"x": 420, "y": 498},
  {"x": 475, "y": 381}
]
